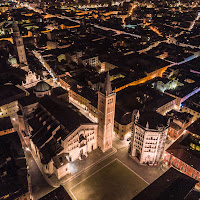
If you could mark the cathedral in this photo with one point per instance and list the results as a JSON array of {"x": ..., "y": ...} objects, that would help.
[{"x": 62, "y": 135}]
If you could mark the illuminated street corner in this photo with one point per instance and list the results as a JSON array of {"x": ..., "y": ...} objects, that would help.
[{"x": 99, "y": 100}]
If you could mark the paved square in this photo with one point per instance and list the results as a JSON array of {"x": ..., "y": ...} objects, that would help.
[{"x": 114, "y": 181}]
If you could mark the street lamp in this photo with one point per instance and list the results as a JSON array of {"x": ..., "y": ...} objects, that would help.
[{"x": 27, "y": 149}]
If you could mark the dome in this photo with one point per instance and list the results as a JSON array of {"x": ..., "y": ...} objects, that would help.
[{"x": 42, "y": 87}]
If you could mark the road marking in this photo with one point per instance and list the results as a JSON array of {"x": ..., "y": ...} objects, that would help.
[
  {"x": 73, "y": 194},
  {"x": 132, "y": 171},
  {"x": 100, "y": 170},
  {"x": 89, "y": 167},
  {"x": 89, "y": 177}
]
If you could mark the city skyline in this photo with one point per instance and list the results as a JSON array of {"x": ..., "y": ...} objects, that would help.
[{"x": 100, "y": 100}]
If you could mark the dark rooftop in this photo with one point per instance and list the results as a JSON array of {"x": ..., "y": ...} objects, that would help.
[
  {"x": 172, "y": 185},
  {"x": 87, "y": 93},
  {"x": 31, "y": 99},
  {"x": 154, "y": 120},
  {"x": 195, "y": 127},
  {"x": 138, "y": 97},
  {"x": 57, "y": 194},
  {"x": 193, "y": 102},
  {"x": 28, "y": 100},
  {"x": 10, "y": 93},
  {"x": 5, "y": 123},
  {"x": 139, "y": 63},
  {"x": 41, "y": 134},
  {"x": 181, "y": 116},
  {"x": 67, "y": 114}
]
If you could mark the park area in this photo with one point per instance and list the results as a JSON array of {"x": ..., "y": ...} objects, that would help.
[{"x": 114, "y": 181}]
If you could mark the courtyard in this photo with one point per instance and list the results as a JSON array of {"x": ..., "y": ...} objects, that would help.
[{"x": 113, "y": 181}]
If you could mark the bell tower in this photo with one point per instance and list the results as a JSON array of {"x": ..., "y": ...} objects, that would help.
[
  {"x": 106, "y": 114},
  {"x": 19, "y": 46}
]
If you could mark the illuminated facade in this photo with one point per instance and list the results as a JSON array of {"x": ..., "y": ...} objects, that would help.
[
  {"x": 31, "y": 80},
  {"x": 149, "y": 136},
  {"x": 166, "y": 107},
  {"x": 9, "y": 99},
  {"x": 9, "y": 109},
  {"x": 106, "y": 114},
  {"x": 19, "y": 46},
  {"x": 91, "y": 61},
  {"x": 152, "y": 75}
]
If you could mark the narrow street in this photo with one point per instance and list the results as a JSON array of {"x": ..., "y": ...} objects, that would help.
[{"x": 38, "y": 185}]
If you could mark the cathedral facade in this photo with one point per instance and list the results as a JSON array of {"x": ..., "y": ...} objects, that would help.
[{"x": 62, "y": 135}]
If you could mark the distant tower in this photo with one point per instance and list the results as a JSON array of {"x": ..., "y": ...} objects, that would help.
[
  {"x": 19, "y": 47},
  {"x": 106, "y": 114}
]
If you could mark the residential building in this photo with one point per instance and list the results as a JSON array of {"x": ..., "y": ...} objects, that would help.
[
  {"x": 178, "y": 122},
  {"x": 9, "y": 97},
  {"x": 92, "y": 61},
  {"x": 184, "y": 153}
]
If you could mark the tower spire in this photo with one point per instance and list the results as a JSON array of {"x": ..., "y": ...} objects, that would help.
[
  {"x": 19, "y": 47},
  {"x": 107, "y": 85},
  {"x": 106, "y": 115}
]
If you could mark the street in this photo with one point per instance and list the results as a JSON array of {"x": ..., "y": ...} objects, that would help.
[{"x": 38, "y": 185}]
